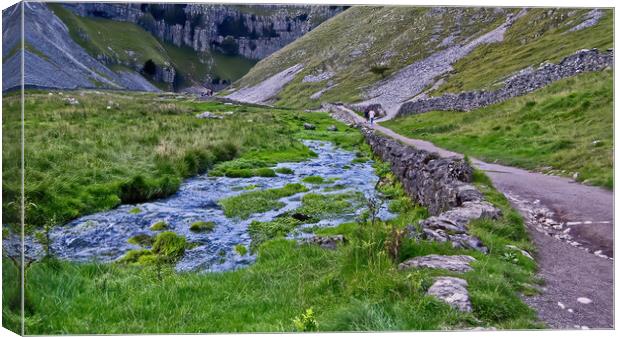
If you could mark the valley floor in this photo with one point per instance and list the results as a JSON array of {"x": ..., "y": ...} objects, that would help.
[{"x": 145, "y": 146}]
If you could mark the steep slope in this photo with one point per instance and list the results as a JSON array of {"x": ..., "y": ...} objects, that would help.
[
  {"x": 389, "y": 55},
  {"x": 52, "y": 58},
  {"x": 150, "y": 46}
]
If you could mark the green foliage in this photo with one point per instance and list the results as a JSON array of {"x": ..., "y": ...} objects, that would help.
[
  {"x": 169, "y": 245},
  {"x": 159, "y": 226},
  {"x": 261, "y": 232},
  {"x": 284, "y": 170},
  {"x": 561, "y": 129},
  {"x": 314, "y": 180},
  {"x": 84, "y": 159},
  {"x": 246, "y": 204},
  {"x": 241, "y": 249},
  {"x": 202, "y": 226},
  {"x": 540, "y": 35},
  {"x": 325, "y": 206},
  {"x": 306, "y": 322},
  {"x": 135, "y": 210}
]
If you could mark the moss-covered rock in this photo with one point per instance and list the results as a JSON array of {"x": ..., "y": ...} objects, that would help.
[
  {"x": 159, "y": 226},
  {"x": 202, "y": 226}
]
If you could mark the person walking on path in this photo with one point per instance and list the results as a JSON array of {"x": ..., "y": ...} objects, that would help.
[{"x": 371, "y": 117}]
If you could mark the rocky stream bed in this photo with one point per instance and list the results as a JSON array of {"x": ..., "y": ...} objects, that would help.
[{"x": 103, "y": 236}]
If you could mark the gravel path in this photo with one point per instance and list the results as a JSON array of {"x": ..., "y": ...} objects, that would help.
[{"x": 572, "y": 227}]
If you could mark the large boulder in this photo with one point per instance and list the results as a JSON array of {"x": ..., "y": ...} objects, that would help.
[{"x": 453, "y": 291}]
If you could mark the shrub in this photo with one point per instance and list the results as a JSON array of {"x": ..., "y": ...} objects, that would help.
[
  {"x": 159, "y": 225},
  {"x": 202, "y": 226}
]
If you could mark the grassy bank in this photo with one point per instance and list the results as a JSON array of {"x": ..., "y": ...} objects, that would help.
[
  {"x": 562, "y": 129},
  {"x": 354, "y": 287},
  {"x": 87, "y": 157}
]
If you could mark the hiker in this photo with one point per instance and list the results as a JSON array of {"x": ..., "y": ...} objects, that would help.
[{"x": 371, "y": 116}]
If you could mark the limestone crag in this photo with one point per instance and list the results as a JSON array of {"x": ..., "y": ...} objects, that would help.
[
  {"x": 52, "y": 58},
  {"x": 521, "y": 83},
  {"x": 251, "y": 31},
  {"x": 442, "y": 185}
]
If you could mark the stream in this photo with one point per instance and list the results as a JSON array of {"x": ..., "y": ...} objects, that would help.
[{"x": 103, "y": 236}]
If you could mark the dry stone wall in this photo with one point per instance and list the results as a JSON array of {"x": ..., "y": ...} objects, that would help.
[
  {"x": 442, "y": 185},
  {"x": 519, "y": 84}
]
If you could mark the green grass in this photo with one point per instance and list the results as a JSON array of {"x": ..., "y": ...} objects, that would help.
[
  {"x": 159, "y": 226},
  {"x": 325, "y": 206},
  {"x": 563, "y": 128},
  {"x": 403, "y": 35},
  {"x": 355, "y": 287},
  {"x": 540, "y": 35},
  {"x": 316, "y": 180},
  {"x": 402, "y": 32},
  {"x": 143, "y": 240},
  {"x": 84, "y": 158},
  {"x": 202, "y": 226},
  {"x": 246, "y": 204}
]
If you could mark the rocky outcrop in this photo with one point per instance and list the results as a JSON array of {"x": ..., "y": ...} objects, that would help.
[
  {"x": 52, "y": 59},
  {"x": 519, "y": 84},
  {"x": 266, "y": 90},
  {"x": 251, "y": 31},
  {"x": 453, "y": 291},
  {"x": 442, "y": 185},
  {"x": 456, "y": 263}
]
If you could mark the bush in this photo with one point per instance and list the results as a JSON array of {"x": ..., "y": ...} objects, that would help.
[{"x": 202, "y": 226}]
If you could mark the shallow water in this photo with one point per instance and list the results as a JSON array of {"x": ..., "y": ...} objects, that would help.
[{"x": 103, "y": 236}]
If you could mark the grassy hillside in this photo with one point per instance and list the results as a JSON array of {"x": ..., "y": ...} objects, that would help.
[
  {"x": 541, "y": 35},
  {"x": 563, "y": 128},
  {"x": 128, "y": 46},
  {"x": 351, "y": 43},
  {"x": 357, "y": 42}
]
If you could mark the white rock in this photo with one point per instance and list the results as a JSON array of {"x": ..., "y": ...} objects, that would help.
[
  {"x": 584, "y": 300},
  {"x": 561, "y": 305}
]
